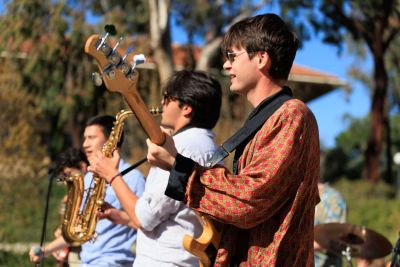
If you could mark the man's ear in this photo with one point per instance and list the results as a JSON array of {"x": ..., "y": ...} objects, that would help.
[
  {"x": 83, "y": 166},
  {"x": 187, "y": 110},
  {"x": 264, "y": 60}
]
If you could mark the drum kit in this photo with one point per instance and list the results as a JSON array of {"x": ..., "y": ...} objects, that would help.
[{"x": 350, "y": 240}]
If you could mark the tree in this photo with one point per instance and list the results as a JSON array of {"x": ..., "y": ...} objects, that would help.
[
  {"x": 375, "y": 24},
  {"x": 21, "y": 120},
  {"x": 209, "y": 20},
  {"x": 346, "y": 158},
  {"x": 43, "y": 45}
]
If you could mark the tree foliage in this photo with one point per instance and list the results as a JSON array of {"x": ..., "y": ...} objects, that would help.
[
  {"x": 376, "y": 25},
  {"x": 346, "y": 160},
  {"x": 43, "y": 45},
  {"x": 21, "y": 120}
]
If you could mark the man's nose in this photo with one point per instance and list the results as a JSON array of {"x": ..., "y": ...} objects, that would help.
[
  {"x": 226, "y": 65},
  {"x": 85, "y": 144}
]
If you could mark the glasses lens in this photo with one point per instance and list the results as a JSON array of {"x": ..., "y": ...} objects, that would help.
[
  {"x": 168, "y": 98},
  {"x": 230, "y": 56}
]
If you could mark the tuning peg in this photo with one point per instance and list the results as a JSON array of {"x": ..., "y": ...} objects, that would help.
[
  {"x": 114, "y": 56},
  {"x": 109, "y": 70},
  {"x": 123, "y": 66},
  {"x": 117, "y": 44},
  {"x": 138, "y": 59},
  {"x": 97, "y": 79},
  {"x": 128, "y": 51},
  {"x": 110, "y": 30}
]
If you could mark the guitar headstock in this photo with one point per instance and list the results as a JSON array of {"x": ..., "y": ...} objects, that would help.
[
  {"x": 119, "y": 76},
  {"x": 115, "y": 71}
]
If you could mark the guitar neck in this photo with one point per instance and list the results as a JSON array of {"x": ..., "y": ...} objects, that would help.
[
  {"x": 115, "y": 80},
  {"x": 144, "y": 117}
]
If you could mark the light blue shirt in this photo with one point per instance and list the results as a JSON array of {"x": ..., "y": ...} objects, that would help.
[
  {"x": 165, "y": 221},
  {"x": 332, "y": 208},
  {"x": 113, "y": 244}
]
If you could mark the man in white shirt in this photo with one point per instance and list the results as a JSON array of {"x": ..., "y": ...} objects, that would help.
[{"x": 191, "y": 107}]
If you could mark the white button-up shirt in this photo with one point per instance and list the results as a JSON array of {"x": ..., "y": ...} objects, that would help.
[{"x": 165, "y": 221}]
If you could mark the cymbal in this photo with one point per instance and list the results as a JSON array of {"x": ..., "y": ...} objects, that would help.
[{"x": 360, "y": 241}]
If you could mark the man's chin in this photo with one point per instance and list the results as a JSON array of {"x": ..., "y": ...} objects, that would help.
[
  {"x": 89, "y": 157},
  {"x": 236, "y": 90},
  {"x": 167, "y": 126},
  {"x": 233, "y": 89}
]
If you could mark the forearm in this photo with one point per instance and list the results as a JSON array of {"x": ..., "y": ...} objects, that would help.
[
  {"x": 56, "y": 244},
  {"x": 128, "y": 200}
]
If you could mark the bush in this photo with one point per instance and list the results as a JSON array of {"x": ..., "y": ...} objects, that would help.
[
  {"x": 9, "y": 259},
  {"x": 371, "y": 206},
  {"x": 23, "y": 205}
]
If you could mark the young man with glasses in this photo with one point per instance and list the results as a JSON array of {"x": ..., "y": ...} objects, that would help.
[
  {"x": 191, "y": 108},
  {"x": 267, "y": 203}
]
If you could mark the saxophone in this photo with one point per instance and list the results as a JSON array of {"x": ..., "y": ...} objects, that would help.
[{"x": 79, "y": 226}]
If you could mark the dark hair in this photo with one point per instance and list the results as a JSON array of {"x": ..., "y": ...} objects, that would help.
[
  {"x": 267, "y": 32},
  {"x": 106, "y": 122},
  {"x": 70, "y": 158},
  {"x": 201, "y": 92}
]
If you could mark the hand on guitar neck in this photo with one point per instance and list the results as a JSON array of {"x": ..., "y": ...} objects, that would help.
[{"x": 162, "y": 156}]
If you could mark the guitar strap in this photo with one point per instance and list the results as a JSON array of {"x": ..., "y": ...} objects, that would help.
[{"x": 254, "y": 122}]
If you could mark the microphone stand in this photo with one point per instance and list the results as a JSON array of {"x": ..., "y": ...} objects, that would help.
[
  {"x": 347, "y": 254},
  {"x": 39, "y": 251},
  {"x": 396, "y": 252}
]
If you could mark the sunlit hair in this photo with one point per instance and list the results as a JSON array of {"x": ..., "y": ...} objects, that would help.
[
  {"x": 268, "y": 33},
  {"x": 200, "y": 91},
  {"x": 70, "y": 158}
]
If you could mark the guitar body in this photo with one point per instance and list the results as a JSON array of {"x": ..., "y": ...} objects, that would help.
[
  {"x": 206, "y": 245},
  {"x": 120, "y": 76}
]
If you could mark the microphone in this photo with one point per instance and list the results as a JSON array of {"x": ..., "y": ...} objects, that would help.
[{"x": 37, "y": 251}]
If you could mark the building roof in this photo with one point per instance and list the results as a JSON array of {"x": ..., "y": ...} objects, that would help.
[{"x": 307, "y": 83}]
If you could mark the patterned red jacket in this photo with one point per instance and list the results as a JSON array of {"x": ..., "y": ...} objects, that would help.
[{"x": 267, "y": 209}]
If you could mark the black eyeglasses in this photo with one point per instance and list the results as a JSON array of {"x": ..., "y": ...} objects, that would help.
[
  {"x": 231, "y": 56},
  {"x": 168, "y": 98}
]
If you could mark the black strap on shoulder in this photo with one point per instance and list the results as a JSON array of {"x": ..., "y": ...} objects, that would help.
[{"x": 251, "y": 126}]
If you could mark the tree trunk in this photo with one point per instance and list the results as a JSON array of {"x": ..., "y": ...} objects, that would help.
[
  {"x": 160, "y": 37},
  {"x": 206, "y": 53},
  {"x": 389, "y": 171},
  {"x": 372, "y": 154}
]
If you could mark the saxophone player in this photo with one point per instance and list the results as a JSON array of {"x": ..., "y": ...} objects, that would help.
[
  {"x": 71, "y": 161},
  {"x": 113, "y": 245},
  {"x": 191, "y": 106}
]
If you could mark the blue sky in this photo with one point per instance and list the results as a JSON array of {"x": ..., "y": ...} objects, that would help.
[{"x": 330, "y": 108}]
